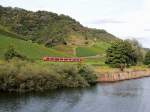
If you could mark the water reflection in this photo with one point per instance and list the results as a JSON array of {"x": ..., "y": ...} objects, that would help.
[
  {"x": 127, "y": 96},
  {"x": 124, "y": 89}
]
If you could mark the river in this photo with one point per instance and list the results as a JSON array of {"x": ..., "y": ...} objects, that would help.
[{"x": 126, "y": 96}]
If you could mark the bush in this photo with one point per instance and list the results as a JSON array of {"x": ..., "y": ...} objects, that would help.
[
  {"x": 147, "y": 58},
  {"x": 88, "y": 74},
  {"x": 17, "y": 75},
  {"x": 11, "y": 53}
]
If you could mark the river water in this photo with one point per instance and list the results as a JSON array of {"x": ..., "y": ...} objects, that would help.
[{"x": 126, "y": 96}]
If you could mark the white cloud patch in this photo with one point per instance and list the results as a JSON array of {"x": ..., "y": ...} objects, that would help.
[
  {"x": 108, "y": 21},
  {"x": 147, "y": 30},
  {"x": 145, "y": 40}
]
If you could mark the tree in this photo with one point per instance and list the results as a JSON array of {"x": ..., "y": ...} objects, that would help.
[
  {"x": 147, "y": 58},
  {"x": 120, "y": 55},
  {"x": 138, "y": 50}
]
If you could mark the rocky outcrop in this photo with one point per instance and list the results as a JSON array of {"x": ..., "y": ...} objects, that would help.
[{"x": 119, "y": 76}]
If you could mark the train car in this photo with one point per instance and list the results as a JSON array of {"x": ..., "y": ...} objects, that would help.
[{"x": 60, "y": 59}]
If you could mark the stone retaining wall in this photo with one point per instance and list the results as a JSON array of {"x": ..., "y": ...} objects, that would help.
[{"x": 119, "y": 76}]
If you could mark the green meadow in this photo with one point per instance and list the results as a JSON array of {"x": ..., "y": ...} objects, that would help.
[{"x": 27, "y": 48}]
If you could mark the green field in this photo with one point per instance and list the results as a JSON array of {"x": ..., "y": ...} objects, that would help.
[
  {"x": 85, "y": 51},
  {"x": 31, "y": 50},
  {"x": 98, "y": 48}
]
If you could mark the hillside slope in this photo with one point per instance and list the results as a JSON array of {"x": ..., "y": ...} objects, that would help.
[
  {"x": 49, "y": 28},
  {"x": 27, "y": 48}
]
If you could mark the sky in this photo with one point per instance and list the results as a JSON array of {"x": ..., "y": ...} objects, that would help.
[{"x": 123, "y": 18}]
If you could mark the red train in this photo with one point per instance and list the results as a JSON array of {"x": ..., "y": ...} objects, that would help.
[{"x": 60, "y": 59}]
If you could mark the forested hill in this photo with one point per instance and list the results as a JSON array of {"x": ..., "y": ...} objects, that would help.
[{"x": 48, "y": 28}]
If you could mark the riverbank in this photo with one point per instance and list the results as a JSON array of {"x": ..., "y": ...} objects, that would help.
[
  {"x": 120, "y": 76},
  {"x": 24, "y": 76}
]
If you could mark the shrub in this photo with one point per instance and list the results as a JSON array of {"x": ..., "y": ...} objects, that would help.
[
  {"x": 11, "y": 53},
  {"x": 88, "y": 74},
  {"x": 17, "y": 75}
]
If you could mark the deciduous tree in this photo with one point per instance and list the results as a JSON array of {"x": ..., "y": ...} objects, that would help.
[
  {"x": 120, "y": 55},
  {"x": 147, "y": 58}
]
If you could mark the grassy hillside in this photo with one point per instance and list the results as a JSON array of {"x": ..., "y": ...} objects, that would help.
[
  {"x": 67, "y": 49},
  {"x": 93, "y": 55},
  {"x": 49, "y": 28},
  {"x": 98, "y": 48},
  {"x": 27, "y": 48},
  {"x": 62, "y": 36}
]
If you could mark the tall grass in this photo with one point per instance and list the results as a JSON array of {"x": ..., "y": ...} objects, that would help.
[{"x": 19, "y": 75}]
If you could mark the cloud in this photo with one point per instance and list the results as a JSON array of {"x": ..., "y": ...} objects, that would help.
[
  {"x": 145, "y": 41},
  {"x": 108, "y": 21},
  {"x": 147, "y": 30}
]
